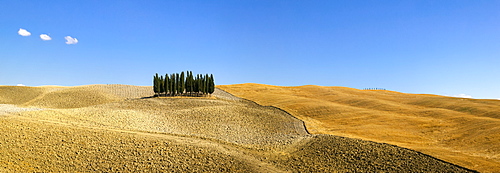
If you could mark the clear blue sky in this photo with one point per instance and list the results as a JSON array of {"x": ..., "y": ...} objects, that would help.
[{"x": 436, "y": 47}]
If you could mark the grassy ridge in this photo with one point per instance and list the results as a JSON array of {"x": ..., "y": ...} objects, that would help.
[{"x": 458, "y": 130}]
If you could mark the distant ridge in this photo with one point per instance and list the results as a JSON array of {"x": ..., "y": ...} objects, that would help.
[{"x": 49, "y": 96}]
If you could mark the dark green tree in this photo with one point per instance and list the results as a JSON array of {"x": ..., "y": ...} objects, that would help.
[
  {"x": 211, "y": 87},
  {"x": 200, "y": 84},
  {"x": 174, "y": 84},
  {"x": 195, "y": 85},
  {"x": 156, "y": 86},
  {"x": 192, "y": 83},
  {"x": 178, "y": 83},
  {"x": 161, "y": 82},
  {"x": 182, "y": 83},
  {"x": 189, "y": 82},
  {"x": 206, "y": 84},
  {"x": 167, "y": 85}
]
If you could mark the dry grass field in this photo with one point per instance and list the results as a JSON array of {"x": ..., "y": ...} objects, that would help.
[
  {"x": 117, "y": 128},
  {"x": 458, "y": 130}
]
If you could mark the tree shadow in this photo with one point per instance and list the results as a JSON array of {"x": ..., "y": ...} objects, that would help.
[{"x": 148, "y": 97}]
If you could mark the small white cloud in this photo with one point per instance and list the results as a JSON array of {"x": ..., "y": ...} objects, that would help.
[
  {"x": 23, "y": 32},
  {"x": 21, "y": 85},
  {"x": 70, "y": 40},
  {"x": 45, "y": 37},
  {"x": 463, "y": 96}
]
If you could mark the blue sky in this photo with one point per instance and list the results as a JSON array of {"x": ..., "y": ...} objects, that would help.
[{"x": 435, "y": 47}]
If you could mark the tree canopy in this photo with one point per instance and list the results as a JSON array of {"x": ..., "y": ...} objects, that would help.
[{"x": 183, "y": 84}]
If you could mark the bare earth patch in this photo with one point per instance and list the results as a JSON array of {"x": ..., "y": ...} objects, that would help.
[{"x": 115, "y": 128}]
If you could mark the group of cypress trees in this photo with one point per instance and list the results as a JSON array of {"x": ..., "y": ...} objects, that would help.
[{"x": 184, "y": 84}]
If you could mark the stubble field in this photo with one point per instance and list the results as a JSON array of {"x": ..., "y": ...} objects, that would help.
[
  {"x": 458, "y": 130},
  {"x": 116, "y": 128}
]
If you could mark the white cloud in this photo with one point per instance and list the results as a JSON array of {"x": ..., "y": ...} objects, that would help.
[
  {"x": 70, "y": 40},
  {"x": 45, "y": 37},
  {"x": 463, "y": 96},
  {"x": 23, "y": 32},
  {"x": 21, "y": 85}
]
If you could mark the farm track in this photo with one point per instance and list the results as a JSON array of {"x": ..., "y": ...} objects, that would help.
[{"x": 224, "y": 134}]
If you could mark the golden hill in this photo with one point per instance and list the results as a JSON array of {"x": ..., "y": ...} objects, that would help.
[
  {"x": 458, "y": 130},
  {"x": 118, "y": 128},
  {"x": 69, "y": 97}
]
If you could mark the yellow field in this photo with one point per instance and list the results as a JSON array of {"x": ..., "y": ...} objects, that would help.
[
  {"x": 120, "y": 128},
  {"x": 458, "y": 130}
]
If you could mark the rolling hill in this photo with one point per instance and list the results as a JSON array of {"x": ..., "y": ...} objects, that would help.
[
  {"x": 458, "y": 130},
  {"x": 120, "y": 128}
]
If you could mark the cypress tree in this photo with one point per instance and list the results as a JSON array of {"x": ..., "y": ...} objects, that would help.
[
  {"x": 207, "y": 80},
  {"x": 156, "y": 86},
  {"x": 161, "y": 82},
  {"x": 192, "y": 81},
  {"x": 196, "y": 86},
  {"x": 211, "y": 84},
  {"x": 203, "y": 86},
  {"x": 174, "y": 85},
  {"x": 177, "y": 83},
  {"x": 187, "y": 84},
  {"x": 182, "y": 83},
  {"x": 167, "y": 84},
  {"x": 200, "y": 84}
]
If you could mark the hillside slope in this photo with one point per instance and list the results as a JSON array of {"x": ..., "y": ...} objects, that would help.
[
  {"x": 118, "y": 128},
  {"x": 461, "y": 131}
]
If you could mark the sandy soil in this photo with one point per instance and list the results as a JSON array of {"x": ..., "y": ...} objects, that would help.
[{"x": 114, "y": 128}]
